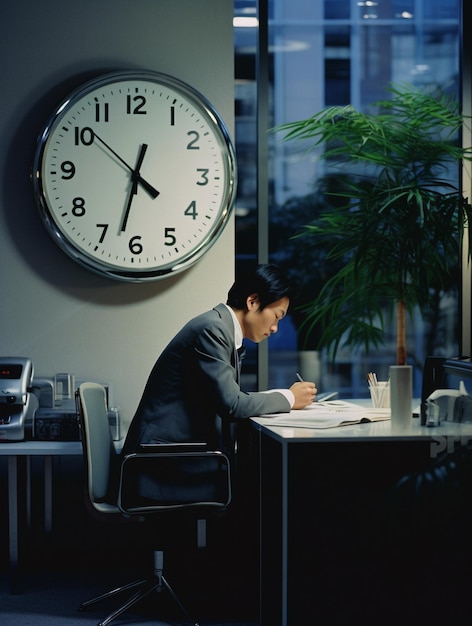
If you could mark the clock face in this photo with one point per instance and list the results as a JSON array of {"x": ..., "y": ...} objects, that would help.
[{"x": 135, "y": 175}]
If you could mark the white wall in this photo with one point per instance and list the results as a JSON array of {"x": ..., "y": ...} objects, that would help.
[{"x": 65, "y": 318}]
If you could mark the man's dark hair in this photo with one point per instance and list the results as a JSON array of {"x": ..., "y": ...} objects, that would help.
[{"x": 268, "y": 281}]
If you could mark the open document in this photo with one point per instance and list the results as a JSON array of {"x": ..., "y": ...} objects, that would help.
[{"x": 327, "y": 414}]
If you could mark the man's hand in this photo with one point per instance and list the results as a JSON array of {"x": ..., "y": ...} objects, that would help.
[{"x": 304, "y": 394}]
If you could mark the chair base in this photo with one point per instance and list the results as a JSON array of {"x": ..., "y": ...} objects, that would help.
[{"x": 143, "y": 588}]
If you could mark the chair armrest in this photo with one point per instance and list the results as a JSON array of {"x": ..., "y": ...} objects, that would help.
[
  {"x": 155, "y": 481},
  {"x": 174, "y": 447}
]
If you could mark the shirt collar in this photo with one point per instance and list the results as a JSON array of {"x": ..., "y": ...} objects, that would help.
[{"x": 238, "y": 332}]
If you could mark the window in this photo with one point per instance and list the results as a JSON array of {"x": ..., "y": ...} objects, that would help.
[{"x": 317, "y": 55}]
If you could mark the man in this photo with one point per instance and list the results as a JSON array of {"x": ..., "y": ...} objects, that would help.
[{"x": 194, "y": 384}]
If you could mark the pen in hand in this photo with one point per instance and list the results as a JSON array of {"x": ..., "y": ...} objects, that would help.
[
  {"x": 300, "y": 379},
  {"x": 324, "y": 396}
]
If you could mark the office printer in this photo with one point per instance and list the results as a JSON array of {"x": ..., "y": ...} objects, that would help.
[
  {"x": 42, "y": 408},
  {"x": 16, "y": 374}
]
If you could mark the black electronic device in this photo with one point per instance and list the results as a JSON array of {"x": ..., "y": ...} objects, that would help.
[
  {"x": 444, "y": 373},
  {"x": 55, "y": 426}
]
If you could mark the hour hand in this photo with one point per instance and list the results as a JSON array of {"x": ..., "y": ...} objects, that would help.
[{"x": 152, "y": 191}]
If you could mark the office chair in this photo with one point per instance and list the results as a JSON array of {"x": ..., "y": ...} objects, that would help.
[{"x": 188, "y": 479}]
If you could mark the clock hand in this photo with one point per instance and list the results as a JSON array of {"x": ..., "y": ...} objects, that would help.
[
  {"x": 134, "y": 187},
  {"x": 152, "y": 191}
]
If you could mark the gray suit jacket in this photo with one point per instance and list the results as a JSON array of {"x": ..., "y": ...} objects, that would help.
[{"x": 194, "y": 385}]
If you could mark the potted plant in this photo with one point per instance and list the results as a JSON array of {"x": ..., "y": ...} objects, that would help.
[{"x": 396, "y": 236}]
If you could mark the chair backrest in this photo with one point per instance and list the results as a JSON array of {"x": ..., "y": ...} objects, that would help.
[
  {"x": 181, "y": 479},
  {"x": 99, "y": 451}
]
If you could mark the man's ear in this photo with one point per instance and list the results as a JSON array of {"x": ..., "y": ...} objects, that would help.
[{"x": 252, "y": 301}]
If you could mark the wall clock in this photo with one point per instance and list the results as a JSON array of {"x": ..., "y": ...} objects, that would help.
[{"x": 135, "y": 175}]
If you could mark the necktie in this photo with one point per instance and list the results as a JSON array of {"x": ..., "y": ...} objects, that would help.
[{"x": 240, "y": 352}]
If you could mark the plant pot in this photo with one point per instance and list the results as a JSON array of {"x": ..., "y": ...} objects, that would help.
[{"x": 309, "y": 366}]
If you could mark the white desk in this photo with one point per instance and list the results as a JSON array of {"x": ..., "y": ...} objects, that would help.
[
  {"x": 300, "y": 469},
  {"x": 376, "y": 431},
  {"x": 18, "y": 489}
]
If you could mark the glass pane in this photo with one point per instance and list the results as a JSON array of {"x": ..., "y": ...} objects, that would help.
[
  {"x": 245, "y": 40},
  {"x": 324, "y": 54}
]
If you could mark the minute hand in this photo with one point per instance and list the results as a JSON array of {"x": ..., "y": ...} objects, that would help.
[
  {"x": 152, "y": 191},
  {"x": 134, "y": 186}
]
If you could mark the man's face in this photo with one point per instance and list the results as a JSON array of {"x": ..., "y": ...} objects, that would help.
[{"x": 257, "y": 324}]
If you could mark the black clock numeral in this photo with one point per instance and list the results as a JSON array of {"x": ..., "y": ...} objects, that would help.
[
  {"x": 139, "y": 102},
  {"x": 104, "y": 228},
  {"x": 78, "y": 207},
  {"x": 83, "y": 136},
  {"x": 191, "y": 210},
  {"x": 69, "y": 170},
  {"x": 135, "y": 246},
  {"x": 170, "y": 239},
  {"x": 172, "y": 115},
  {"x": 203, "y": 176},
  {"x": 192, "y": 144},
  {"x": 102, "y": 111}
]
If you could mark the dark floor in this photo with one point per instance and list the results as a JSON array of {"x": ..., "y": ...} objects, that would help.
[
  {"x": 54, "y": 599},
  {"x": 55, "y": 579}
]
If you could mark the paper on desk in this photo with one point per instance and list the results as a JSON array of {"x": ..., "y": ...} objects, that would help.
[{"x": 328, "y": 414}]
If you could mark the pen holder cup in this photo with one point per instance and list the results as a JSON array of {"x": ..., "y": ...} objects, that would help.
[{"x": 380, "y": 394}]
